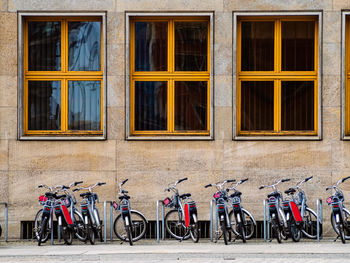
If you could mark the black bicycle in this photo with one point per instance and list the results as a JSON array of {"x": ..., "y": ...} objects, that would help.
[
  {"x": 181, "y": 222},
  {"x": 129, "y": 225}
]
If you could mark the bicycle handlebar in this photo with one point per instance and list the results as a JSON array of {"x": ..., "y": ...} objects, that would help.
[
  {"x": 344, "y": 179},
  {"x": 181, "y": 180},
  {"x": 219, "y": 185},
  {"x": 208, "y": 185},
  {"x": 275, "y": 184}
]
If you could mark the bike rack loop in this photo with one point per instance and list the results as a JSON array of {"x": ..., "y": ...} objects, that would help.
[
  {"x": 6, "y": 219},
  {"x": 211, "y": 219},
  {"x": 319, "y": 217},
  {"x": 163, "y": 233},
  {"x": 266, "y": 222},
  {"x": 105, "y": 220}
]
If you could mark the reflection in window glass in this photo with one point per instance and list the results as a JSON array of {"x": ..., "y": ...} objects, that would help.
[
  {"x": 191, "y": 105},
  {"x": 298, "y": 45},
  {"x": 151, "y": 46},
  {"x": 257, "y": 46},
  {"x": 44, "y": 105},
  {"x": 257, "y": 105},
  {"x": 191, "y": 46},
  {"x": 297, "y": 105},
  {"x": 44, "y": 46},
  {"x": 84, "y": 105},
  {"x": 84, "y": 46},
  {"x": 150, "y": 105}
]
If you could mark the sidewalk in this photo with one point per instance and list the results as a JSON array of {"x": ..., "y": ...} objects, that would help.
[{"x": 173, "y": 251}]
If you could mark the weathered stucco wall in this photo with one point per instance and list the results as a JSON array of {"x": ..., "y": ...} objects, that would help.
[{"x": 150, "y": 165}]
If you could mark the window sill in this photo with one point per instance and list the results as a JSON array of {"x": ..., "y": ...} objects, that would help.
[
  {"x": 346, "y": 138},
  {"x": 278, "y": 138},
  {"x": 170, "y": 138},
  {"x": 63, "y": 138}
]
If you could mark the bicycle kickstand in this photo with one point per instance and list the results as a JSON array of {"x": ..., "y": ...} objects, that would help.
[{"x": 336, "y": 238}]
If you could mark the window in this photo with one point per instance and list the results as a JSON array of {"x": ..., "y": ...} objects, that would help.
[
  {"x": 169, "y": 76},
  {"x": 277, "y": 75},
  {"x": 63, "y": 76}
]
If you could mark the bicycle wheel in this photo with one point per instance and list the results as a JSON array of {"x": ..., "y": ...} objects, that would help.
[
  {"x": 38, "y": 225},
  {"x": 276, "y": 230},
  {"x": 0, "y": 230},
  {"x": 194, "y": 230},
  {"x": 90, "y": 232},
  {"x": 341, "y": 231},
  {"x": 249, "y": 224},
  {"x": 175, "y": 225},
  {"x": 128, "y": 229},
  {"x": 80, "y": 230},
  {"x": 43, "y": 231},
  {"x": 310, "y": 224},
  {"x": 224, "y": 231},
  {"x": 138, "y": 223},
  {"x": 295, "y": 231},
  {"x": 66, "y": 234}
]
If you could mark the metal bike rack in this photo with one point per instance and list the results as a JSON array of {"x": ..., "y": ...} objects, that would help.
[
  {"x": 212, "y": 204},
  {"x": 6, "y": 219},
  {"x": 105, "y": 220},
  {"x": 319, "y": 217},
  {"x": 163, "y": 232},
  {"x": 266, "y": 222}
]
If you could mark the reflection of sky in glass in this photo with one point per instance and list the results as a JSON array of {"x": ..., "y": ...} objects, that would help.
[
  {"x": 44, "y": 105},
  {"x": 84, "y": 105},
  {"x": 84, "y": 46}
]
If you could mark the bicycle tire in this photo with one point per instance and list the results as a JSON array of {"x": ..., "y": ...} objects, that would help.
[
  {"x": 171, "y": 224},
  {"x": 139, "y": 226},
  {"x": 37, "y": 226},
  {"x": 224, "y": 231},
  {"x": 341, "y": 232},
  {"x": 295, "y": 231},
  {"x": 194, "y": 231},
  {"x": 309, "y": 229},
  {"x": 90, "y": 232},
  {"x": 347, "y": 215},
  {"x": 66, "y": 234},
  {"x": 79, "y": 230},
  {"x": 242, "y": 233},
  {"x": 249, "y": 224},
  {"x": 42, "y": 231},
  {"x": 0, "y": 230},
  {"x": 276, "y": 230}
]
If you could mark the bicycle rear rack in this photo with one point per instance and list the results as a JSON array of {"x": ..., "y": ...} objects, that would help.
[
  {"x": 6, "y": 219},
  {"x": 266, "y": 222}
]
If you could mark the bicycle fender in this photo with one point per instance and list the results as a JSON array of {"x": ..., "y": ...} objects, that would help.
[
  {"x": 187, "y": 215},
  {"x": 251, "y": 216},
  {"x": 138, "y": 212}
]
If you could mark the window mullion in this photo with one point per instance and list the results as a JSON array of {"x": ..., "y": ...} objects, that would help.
[
  {"x": 277, "y": 105},
  {"x": 64, "y": 105},
  {"x": 278, "y": 45},
  {"x": 64, "y": 45},
  {"x": 171, "y": 105},
  {"x": 171, "y": 45}
]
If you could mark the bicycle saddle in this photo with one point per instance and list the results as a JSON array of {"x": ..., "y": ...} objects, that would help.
[
  {"x": 48, "y": 194},
  {"x": 60, "y": 196},
  {"x": 184, "y": 196},
  {"x": 124, "y": 197},
  {"x": 274, "y": 194},
  {"x": 290, "y": 191},
  {"x": 238, "y": 193},
  {"x": 85, "y": 194}
]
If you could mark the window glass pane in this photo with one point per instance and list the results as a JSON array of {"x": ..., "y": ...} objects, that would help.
[
  {"x": 191, "y": 105},
  {"x": 150, "y": 105},
  {"x": 298, "y": 45},
  {"x": 297, "y": 105},
  {"x": 191, "y": 46},
  {"x": 151, "y": 46},
  {"x": 44, "y": 105},
  {"x": 84, "y": 40},
  {"x": 257, "y": 105},
  {"x": 44, "y": 46},
  {"x": 257, "y": 46},
  {"x": 84, "y": 105}
]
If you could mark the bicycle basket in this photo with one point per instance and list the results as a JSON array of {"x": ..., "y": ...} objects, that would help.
[
  {"x": 168, "y": 202},
  {"x": 42, "y": 199}
]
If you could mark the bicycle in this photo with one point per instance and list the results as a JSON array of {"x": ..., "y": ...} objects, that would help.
[
  {"x": 181, "y": 222},
  {"x": 221, "y": 210},
  {"x": 133, "y": 222},
  {"x": 308, "y": 216},
  {"x": 276, "y": 214},
  {"x": 92, "y": 223},
  {"x": 242, "y": 222},
  {"x": 72, "y": 222},
  {"x": 340, "y": 215}
]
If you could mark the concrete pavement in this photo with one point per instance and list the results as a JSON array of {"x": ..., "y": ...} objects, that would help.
[{"x": 173, "y": 251}]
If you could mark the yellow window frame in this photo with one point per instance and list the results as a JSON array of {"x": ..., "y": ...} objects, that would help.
[
  {"x": 347, "y": 76},
  {"x": 64, "y": 76},
  {"x": 171, "y": 76},
  {"x": 277, "y": 76}
]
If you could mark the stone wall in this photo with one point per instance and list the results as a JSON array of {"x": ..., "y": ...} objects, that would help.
[{"x": 151, "y": 165}]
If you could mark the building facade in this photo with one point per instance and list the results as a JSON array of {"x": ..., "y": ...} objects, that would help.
[{"x": 155, "y": 91}]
